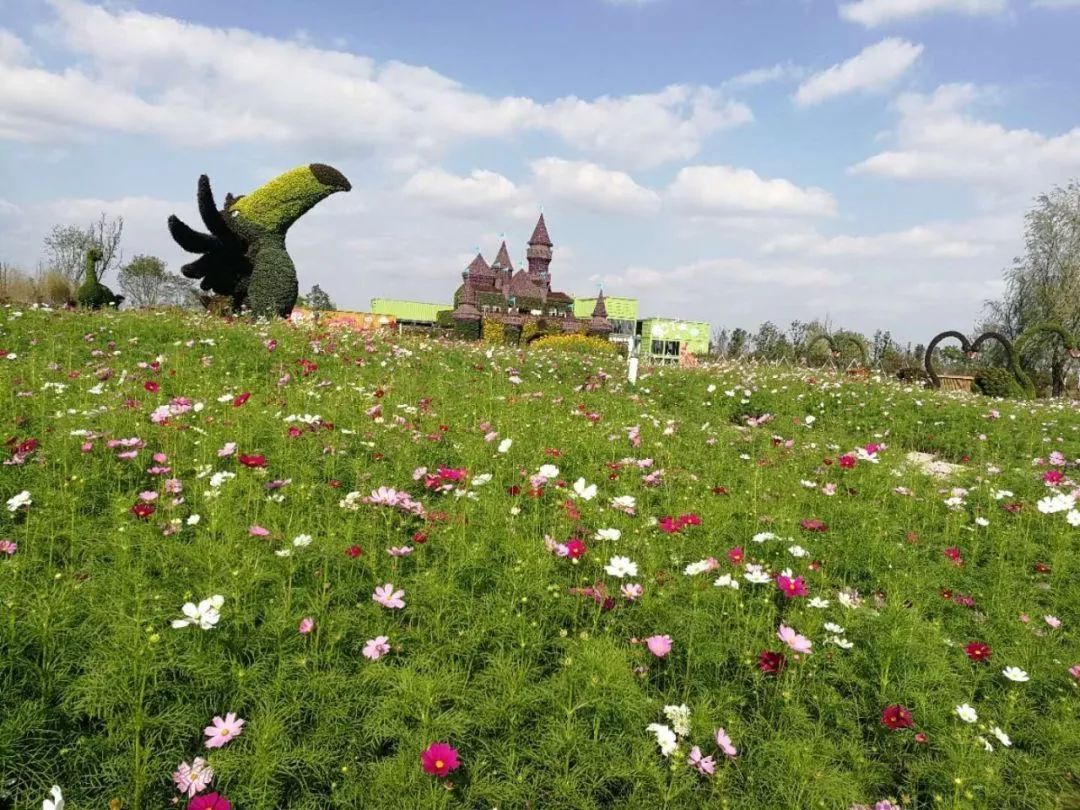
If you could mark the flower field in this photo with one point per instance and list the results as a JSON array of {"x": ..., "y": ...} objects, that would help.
[{"x": 266, "y": 567}]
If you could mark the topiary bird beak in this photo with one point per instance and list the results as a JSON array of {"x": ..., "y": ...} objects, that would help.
[{"x": 330, "y": 177}]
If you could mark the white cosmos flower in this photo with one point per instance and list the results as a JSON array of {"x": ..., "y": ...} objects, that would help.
[
  {"x": 505, "y": 444},
  {"x": 57, "y": 800},
  {"x": 621, "y": 567},
  {"x": 797, "y": 551},
  {"x": 756, "y": 574},
  {"x": 302, "y": 540},
  {"x": 699, "y": 567},
  {"x": 1073, "y": 517},
  {"x": 549, "y": 471},
  {"x": 1056, "y": 503},
  {"x": 966, "y": 713},
  {"x": 204, "y": 615},
  {"x": 842, "y": 643},
  {"x": 985, "y": 742},
  {"x": 608, "y": 534},
  {"x": 818, "y": 602},
  {"x": 665, "y": 738},
  {"x": 585, "y": 491},
  {"x": 17, "y": 502},
  {"x": 627, "y": 503},
  {"x": 480, "y": 480},
  {"x": 726, "y": 581},
  {"x": 761, "y": 537},
  {"x": 834, "y": 628},
  {"x": 1015, "y": 674},
  {"x": 1003, "y": 738}
]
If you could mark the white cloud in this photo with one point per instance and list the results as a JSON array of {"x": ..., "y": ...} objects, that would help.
[
  {"x": 481, "y": 194},
  {"x": 873, "y": 68},
  {"x": 921, "y": 241},
  {"x": 591, "y": 186},
  {"x": 873, "y": 13},
  {"x": 191, "y": 84},
  {"x": 727, "y": 191},
  {"x": 938, "y": 139},
  {"x": 782, "y": 71}
]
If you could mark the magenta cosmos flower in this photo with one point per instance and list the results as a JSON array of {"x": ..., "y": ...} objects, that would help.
[
  {"x": 791, "y": 586},
  {"x": 659, "y": 645},
  {"x": 377, "y": 647},
  {"x": 307, "y": 624},
  {"x": 386, "y": 596},
  {"x": 439, "y": 759},
  {"x": 222, "y": 731},
  {"x": 706, "y": 766},
  {"x": 209, "y": 801},
  {"x": 797, "y": 643}
]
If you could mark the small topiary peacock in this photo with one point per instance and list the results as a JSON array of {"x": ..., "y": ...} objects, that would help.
[
  {"x": 244, "y": 254},
  {"x": 92, "y": 294}
]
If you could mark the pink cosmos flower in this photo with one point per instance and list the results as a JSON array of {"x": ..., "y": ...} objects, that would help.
[
  {"x": 723, "y": 741},
  {"x": 400, "y": 551},
  {"x": 706, "y": 766},
  {"x": 222, "y": 731},
  {"x": 797, "y": 643},
  {"x": 148, "y": 495},
  {"x": 307, "y": 624},
  {"x": 8, "y": 547},
  {"x": 631, "y": 591},
  {"x": 1075, "y": 671},
  {"x": 386, "y": 596},
  {"x": 439, "y": 759},
  {"x": 1053, "y": 621},
  {"x": 659, "y": 645},
  {"x": 258, "y": 531},
  {"x": 227, "y": 450},
  {"x": 193, "y": 778},
  {"x": 209, "y": 801},
  {"x": 377, "y": 647}
]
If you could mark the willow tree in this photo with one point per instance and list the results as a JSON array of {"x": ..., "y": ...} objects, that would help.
[{"x": 1043, "y": 284}]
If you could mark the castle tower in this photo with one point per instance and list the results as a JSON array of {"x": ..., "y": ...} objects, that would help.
[{"x": 539, "y": 253}]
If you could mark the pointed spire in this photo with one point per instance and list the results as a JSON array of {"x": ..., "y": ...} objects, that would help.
[
  {"x": 478, "y": 265},
  {"x": 502, "y": 260},
  {"x": 540, "y": 233},
  {"x": 600, "y": 310}
]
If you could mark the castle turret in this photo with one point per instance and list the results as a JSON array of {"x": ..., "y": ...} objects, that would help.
[{"x": 539, "y": 253}]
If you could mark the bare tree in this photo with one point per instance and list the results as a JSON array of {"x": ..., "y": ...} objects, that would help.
[
  {"x": 146, "y": 283},
  {"x": 66, "y": 246}
]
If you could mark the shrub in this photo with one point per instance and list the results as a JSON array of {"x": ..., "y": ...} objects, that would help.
[
  {"x": 913, "y": 375},
  {"x": 493, "y": 331},
  {"x": 579, "y": 344},
  {"x": 467, "y": 330},
  {"x": 997, "y": 382},
  {"x": 444, "y": 319},
  {"x": 56, "y": 289}
]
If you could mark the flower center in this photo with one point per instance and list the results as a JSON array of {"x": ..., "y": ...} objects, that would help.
[
  {"x": 224, "y": 732},
  {"x": 439, "y": 764}
]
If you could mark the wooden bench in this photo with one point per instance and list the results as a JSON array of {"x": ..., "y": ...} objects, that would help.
[{"x": 956, "y": 382}]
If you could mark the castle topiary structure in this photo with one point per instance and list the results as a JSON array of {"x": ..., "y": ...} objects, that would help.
[
  {"x": 92, "y": 294},
  {"x": 244, "y": 256}
]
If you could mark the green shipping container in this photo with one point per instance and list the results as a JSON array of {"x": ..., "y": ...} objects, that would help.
[{"x": 408, "y": 311}]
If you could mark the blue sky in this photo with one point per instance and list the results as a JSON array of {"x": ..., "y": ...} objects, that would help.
[{"x": 867, "y": 160}]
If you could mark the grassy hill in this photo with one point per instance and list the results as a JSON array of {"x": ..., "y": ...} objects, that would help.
[{"x": 160, "y": 459}]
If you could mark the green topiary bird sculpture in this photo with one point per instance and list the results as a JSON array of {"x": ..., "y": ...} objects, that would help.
[
  {"x": 92, "y": 294},
  {"x": 244, "y": 254}
]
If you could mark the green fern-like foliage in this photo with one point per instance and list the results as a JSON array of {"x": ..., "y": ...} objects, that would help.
[{"x": 244, "y": 255}]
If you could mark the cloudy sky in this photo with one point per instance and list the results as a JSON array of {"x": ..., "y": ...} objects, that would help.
[{"x": 865, "y": 160}]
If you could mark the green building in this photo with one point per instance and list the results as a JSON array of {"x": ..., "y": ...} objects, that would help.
[
  {"x": 409, "y": 313},
  {"x": 662, "y": 339},
  {"x": 622, "y": 312}
]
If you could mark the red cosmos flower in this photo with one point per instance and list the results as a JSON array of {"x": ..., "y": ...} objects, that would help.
[
  {"x": 571, "y": 510},
  {"x": 814, "y": 525},
  {"x": 719, "y": 490},
  {"x": 1042, "y": 568},
  {"x": 151, "y": 386},
  {"x": 771, "y": 663},
  {"x": 294, "y": 432},
  {"x": 354, "y": 551},
  {"x": 953, "y": 553},
  {"x": 252, "y": 461},
  {"x": 575, "y": 549},
  {"x": 896, "y": 717},
  {"x": 27, "y": 447},
  {"x": 921, "y": 738},
  {"x": 143, "y": 510},
  {"x": 978, "y": 651},
  {"x": 735, "y": 555},
  {"x": 439, "y": 759},
  {"x": 333, "y": 483},
  {"x": 668, "y": 524},
  {"x": 209, "y": 801},
  {"x": 1053, "y": 477},
  {"x": 791, "y": 586},
  {"x": 514, "y": 490},
  {"x": 847, "y": 461},
  {"x": 689, "y": 519},
  {"x": 1012, "y": 508},
  {"x": 241, "y": 399},
  {"x": 419, "y": 538}
]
